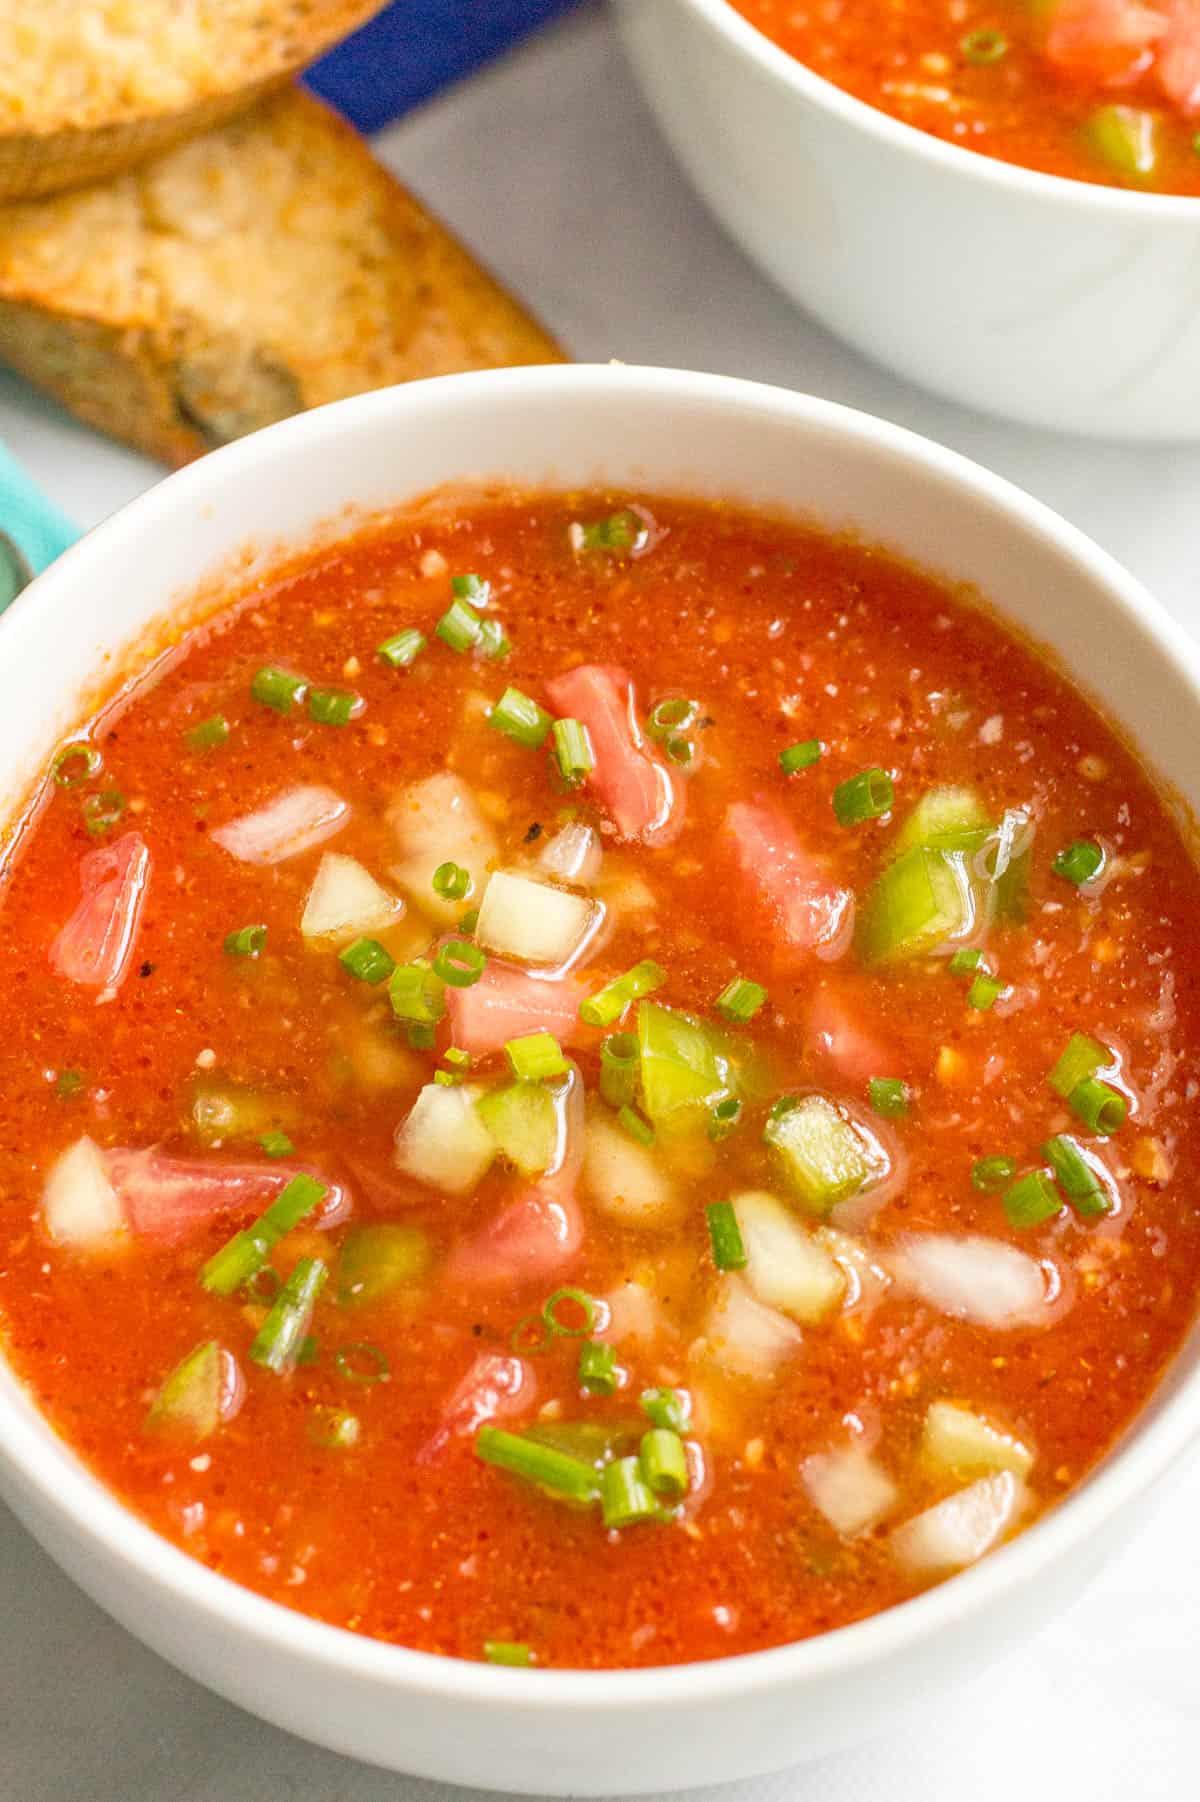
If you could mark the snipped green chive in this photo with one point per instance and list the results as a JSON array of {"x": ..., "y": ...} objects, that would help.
[
  {"x": 625, "y": 1496},
  {"x": 669, "y": 1408},
  {"x": 75, "y": 764},
  {"x": 459, "y": 626},
  {"x": 597, "y": 1367},
  {"x": 277, "y": 688},
  {"x": 965, "y": 963},
  {"x": 801, "y": 756},
  {"x": 724, "y": 1118},
  {"x": 983, "y": 47},
  {"x": 1082, "y": 1057},
  {"x": 679, "y": 749},
  {"x": 863, "y": 797},
  {"x": 535, "y": 1056},
  {"x": 1080, "y": 862},
  {"x": 276, "y": 1145},
  {"x": 984, "y": 992},
  {"x": 552, "y": 1313},
  {"x": 520, "y": 719},
  {"x": 68, "y": 1083},
  {"x": 333, "y": 1427},
  {"x": 278, "y": 1341},
  {"x": 607, "y": 1005},
  {"x": 638, "y": 1128},
  {"x": 367, "y": 961},
  {"x": 247, "y": 941},
  {"x": 619, "y": 1068},
  {"x": 664, "y": 1462},
  {"x": 541, "y": 1464},
  {"x": 446, "y": 1079},
  {"x": 245, "y": 1254},
  {"x": 454, "y": 1054},
  {"x": 1098, "y": 1105},
  {"x": 990, "y": 1174},
  {"x": 1075, "y": 1174},
  {"x": 674, "y": 715},
  {"x": 417, "y": 994},
  {"x": 403, "y": 649},
  {"x": 572, "y": 750},
  {"x": 471, "y": 588},
  {"x": 888, "y": 1096},
  {"x": 208, "y": 734},
  {"x": 507, "y": 1651},
  {"x": 740, "y": 1000},
  {"x": 451, "y": 881},
  {"x": 101, "y": 812},
  {"x": 1032, "y": 1199},
  {"x": 362, "y": 1363},
  {"x": 621, "y": 531},
  {"x": 332, "y": 706},
  {"x": 725, "y": 1236}
]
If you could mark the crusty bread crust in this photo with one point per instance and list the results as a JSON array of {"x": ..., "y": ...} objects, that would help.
[
  {"x": 46, "y": 153},
  {"x": 267, "y": 267}
]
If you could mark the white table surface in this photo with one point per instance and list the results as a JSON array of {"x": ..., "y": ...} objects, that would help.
[{"x": 550, "y": 167}]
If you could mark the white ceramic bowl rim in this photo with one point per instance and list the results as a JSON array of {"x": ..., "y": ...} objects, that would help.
[
  {"x": 68, "y": 1490},
  {"x": 724, "y": 19}
]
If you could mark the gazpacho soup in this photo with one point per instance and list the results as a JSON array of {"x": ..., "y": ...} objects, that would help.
[
  {"x": 595, "y": 1080},
  {"x": 1096, "y": 90}
]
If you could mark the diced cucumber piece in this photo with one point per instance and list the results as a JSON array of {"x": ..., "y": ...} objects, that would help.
[
  {"x": 232, "y": 1110},
  {"x": 595, "y": 1442},
  {"x": 523, "y": 1120},
  {"x": 948, "y": 812},
  {"x": 189, "y": 1402},
  {"x": 957, "y": 1442},
  {"x": 680, "y": 1068},
  {"x": 925, "y": 899},
  {"x": 823, "y": 1154},
  {"x": 377, "y": 1259},
  {"x": 443, "y": 1142},
  {"x": 1082, "y": 1058},
  {"x": 1127, "y": 138}
]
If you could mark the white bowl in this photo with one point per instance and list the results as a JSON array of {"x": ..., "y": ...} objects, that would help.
[
  {"x": 560, "y": 1731},
  {"x": 1055, "y": 302}
]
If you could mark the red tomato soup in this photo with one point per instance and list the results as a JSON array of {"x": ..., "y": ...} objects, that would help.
[
  {"x": 1097, "y": 90},
  {"x": 596, "y": 1081}
]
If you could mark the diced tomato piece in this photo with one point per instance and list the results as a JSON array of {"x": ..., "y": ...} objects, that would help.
[
  {"x": 798, "y": 908},
  {"x": 165, "y": 1198},
  {"x": 1107, "y": 41},
  {"x": 506, "y": 1003},
  {"x": 532, "y": 1240},
  {"x": 834, "y": 1030},
  {"x": 495, "y": 1388},
  {"x": 96, "y": 944},
  {"x": 1177, "y": 70},
  {"x": 634, "y": 786}
]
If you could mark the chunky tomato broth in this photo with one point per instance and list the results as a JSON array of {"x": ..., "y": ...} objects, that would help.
[
  {"x": 1096, "y": 90},
  {"x": 730, "y": 1319}
]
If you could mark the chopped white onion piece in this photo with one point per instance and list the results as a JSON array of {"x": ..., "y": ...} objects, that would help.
[
  {"x": 635, "y": 1315},
  {"x": 443, "y": 1142},
  {"x": 573, "y": 855},
  {"x": 745, "y": 1338},
  {"x": 533, "y": 922},
  {"x": 626, "y": 1180},
  {"x": 785, "y": 1267},
  {"x": 956, "y": 1442},
  {"x": 973, "y": 1278},
  {"x": 849, "y": 1488},
  {"x": 79, "y": 1203},
  {"x": 956, "y": 1532},
  {"x": 345, "y": 901},
  {"x": 294, "y": 821},
  {"x": 867, "y": 1282},
  {"x": 438, "y": 821}
]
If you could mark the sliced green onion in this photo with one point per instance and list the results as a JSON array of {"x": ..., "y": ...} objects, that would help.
[
  {"x": 333, "y": 1427},
  {"x": 572, "y": 1298},
  {"x": 679, "y": 749},
  {"x": 367, "y": 961},
  {"x": 520, "y": 718},
  {"x": 277, "y": 688},
  {"x": 540, "y": 1464},
  {"x": 421, "y": 1036},
  {"x": 507, "y": 1651},
  {"x": 471, "y": 588},
  {"x": 362, "y": 1363},
  {"x": 669, "y": 1408},
  {"x": 459, "y": 963},
  {"x": 403, "y": 649},
  {"x": 666, "y": 718},
  {"x": 598, "y": 1367},
  {"x": 619, "y": 532},
  {"x": 984, "y": 992},
  {"x": 531, "y": 1336},
  {"x": 572, "y": 750},
  {"x": 469, "y": 921},
  {"x": 664, "y": 1462},
  {"x": 625, "y": 1496},
  {"x": 276, "y": 1145},
  {"x": 638, "y": 1128},
  {"x": 101, "y": 812},
  {"x": 888, "y": 1096},
  {"x": 246, "y": 1253},
  {"x": 454, "y": 1054},
  {"x": 209, "y": 733},
  {"x": 800, "y": 757},
  {"x": 1082, "y": 1057},
  {"x": 189, "y": 1401},
  {"x": 282, "y": 1333},
  {"x": 1079, "y": 862},
  {"x": 725, "y": 1235},
  {"x": 247, "y": 941},
  {"x": 379, "y": 1257},
  {"x": 446, "y": 1079},
  {"x": 965, "y": 963},
  {"x": 740, "y": 1000},
  {"x": 619, "y": 1059},
  {"x": 982, "y": 47},
  {"x": 724, "y": 1118},
  {"x": 1032, "y": 1199},
  {"x": 990, "y": 1174},
  {"x": 1128, "y": 138},
  {"x": 69, "y": 1083},
  {"x": 459, "y": 626},
  {"x": 417, "y": 994},
  {"x": 75, "y": 764},
  {"x": 332, "y": 706},
  {"x": 1070, "y": 1166},
  {"x": 494, "y": 642},
  {"x": 451, "y": 881},
  {"x": 535, "y": 1056},
  {"x": 608, "y": 1004},
  {"x": 863, "y": 797},
  {"x": 1098, "y": 1105}
]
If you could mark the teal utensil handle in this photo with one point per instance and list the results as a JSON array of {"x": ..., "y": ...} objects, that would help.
[{"x": 32, "y": 530}]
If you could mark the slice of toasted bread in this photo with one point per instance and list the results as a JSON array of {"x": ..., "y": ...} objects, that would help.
[
  {"x": 258, "y": 270},
  {"x": 90, "y": 87}
]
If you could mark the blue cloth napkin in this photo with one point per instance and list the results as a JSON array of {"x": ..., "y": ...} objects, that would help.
[
  {"x": 32, "y": 530},
  {"x": 415, "y": 47}
]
